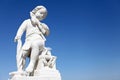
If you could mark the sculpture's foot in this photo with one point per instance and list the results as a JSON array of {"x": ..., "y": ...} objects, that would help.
[
  {"x": 17, "y": 74},
  {"x": 20, "y": 73},
  {"x": 30, "y": 67},
  {"x": 29, "y": 71}
]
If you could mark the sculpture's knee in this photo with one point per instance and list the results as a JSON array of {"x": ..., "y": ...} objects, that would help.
[
  {"x": 34, "y": 45},
  {"x": 37, "y": 44}
]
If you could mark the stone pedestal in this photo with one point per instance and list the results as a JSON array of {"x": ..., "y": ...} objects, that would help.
[
  {"x": 44, "y": 74},
  {"x": 45, "y": 69},
  {"x": 41, "y": 72},
  {"x": 35, "y": 78}
]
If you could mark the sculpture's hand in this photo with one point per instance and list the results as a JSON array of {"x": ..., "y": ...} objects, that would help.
[
  {"x": 16, "y": 39},
  {"x": 31, "y": 14}
]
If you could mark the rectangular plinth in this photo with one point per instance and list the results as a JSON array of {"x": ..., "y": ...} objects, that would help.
[
  {"x": 36, "y": 78},
  {"x": 44, "y": 74}
]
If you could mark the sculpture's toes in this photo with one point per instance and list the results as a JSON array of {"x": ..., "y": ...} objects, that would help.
[{"x": 29, "y": 70}]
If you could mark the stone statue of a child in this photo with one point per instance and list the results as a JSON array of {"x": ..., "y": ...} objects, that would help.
[{"x": 35, "y": 40}]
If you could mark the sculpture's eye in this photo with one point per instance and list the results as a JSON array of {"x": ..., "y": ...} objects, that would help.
[{"x": 41, "y": 13}]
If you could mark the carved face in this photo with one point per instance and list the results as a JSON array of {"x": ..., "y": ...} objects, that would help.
[{"x": 41, "y": 14}]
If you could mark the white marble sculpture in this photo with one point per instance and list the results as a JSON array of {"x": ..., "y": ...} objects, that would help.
[{"x": 42, "y": 63}]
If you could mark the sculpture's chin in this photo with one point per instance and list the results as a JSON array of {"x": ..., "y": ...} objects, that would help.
[{"x": 40, "y": 19}]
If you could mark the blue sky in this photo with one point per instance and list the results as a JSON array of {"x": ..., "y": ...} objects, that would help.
[{"x": 85, "y": 36}]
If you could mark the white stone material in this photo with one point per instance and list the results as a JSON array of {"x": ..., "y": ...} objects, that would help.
[
  {"x": 42, "y": 65},
  {"x": 45, "y": 74},
  {"x": 37, "y": 78}
]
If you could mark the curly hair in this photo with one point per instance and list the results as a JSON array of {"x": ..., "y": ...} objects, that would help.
[{"x": 39, "y": 8}]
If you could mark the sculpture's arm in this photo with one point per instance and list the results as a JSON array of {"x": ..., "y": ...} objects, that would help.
[
  {"x": 20, "y": 31},
  {"x": 19, "y": 45},
  {"x": 35, "y": 21},
  {"x": 46, "y": 28}
]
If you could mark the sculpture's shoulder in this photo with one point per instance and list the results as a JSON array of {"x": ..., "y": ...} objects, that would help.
[{"x": 27, "y": 21}]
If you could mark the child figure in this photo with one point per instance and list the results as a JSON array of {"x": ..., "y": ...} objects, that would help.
[{"x": 35, "y": 40}]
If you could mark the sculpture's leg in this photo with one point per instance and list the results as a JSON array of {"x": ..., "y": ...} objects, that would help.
[
  {"x": 25, "y": 54},
  {"x": 40, "y": 64},
  {"x": 21, "y": 59},
  {"x": 35, "y": 48}
]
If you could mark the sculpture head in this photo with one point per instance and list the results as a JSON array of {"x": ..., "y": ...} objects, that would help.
[{"x": 40, "y": 12}]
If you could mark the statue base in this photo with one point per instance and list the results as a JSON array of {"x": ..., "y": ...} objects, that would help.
[
  {"x": 44, "y": 74},
  {"x": 36, "y": 78}
]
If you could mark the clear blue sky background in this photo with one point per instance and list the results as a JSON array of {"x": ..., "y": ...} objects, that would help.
[{"x": 85, "y": 36}]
